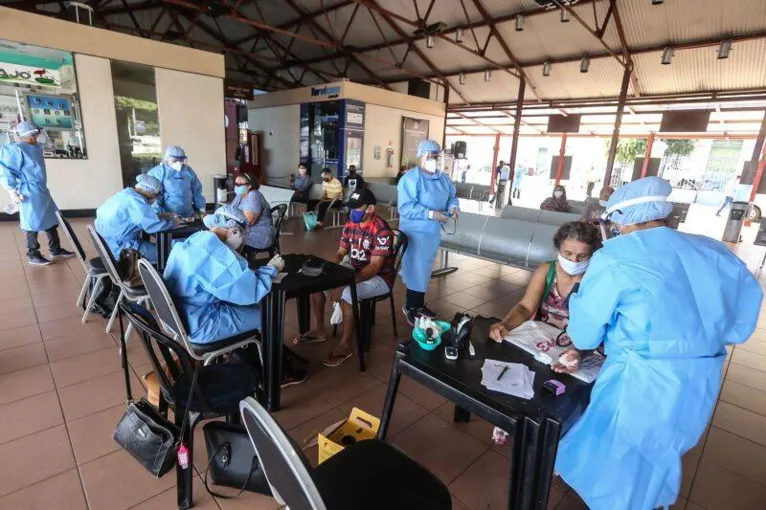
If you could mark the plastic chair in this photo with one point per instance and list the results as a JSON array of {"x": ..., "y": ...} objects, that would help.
[
  {"x": 278, "y": 213},
  {"x": 94, "y": 268},
  {"x": 174, "y": 326},
  {"x": 218, "y": 392},
  {"x": 132, "y": 294},
  {"x": 367, "y": 306},
  {"x": 369, "y": 474}
]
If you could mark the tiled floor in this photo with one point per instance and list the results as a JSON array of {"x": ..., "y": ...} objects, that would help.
[{"x": 61, "y": 393}]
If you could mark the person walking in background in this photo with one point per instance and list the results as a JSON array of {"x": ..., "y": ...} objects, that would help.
[
  {"x": 23, "y": 174},
  {"x": 731, "y": 190},
  {"x": 518, "y": 176},
  {"x": 464, "y": 174}
]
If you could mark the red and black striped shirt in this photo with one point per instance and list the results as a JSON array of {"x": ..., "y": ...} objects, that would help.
[{"x": 372, "y": 239}]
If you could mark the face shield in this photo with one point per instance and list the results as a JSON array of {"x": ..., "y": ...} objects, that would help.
[
  {"x": 608, "y": 227},
  {"x": 432, "y": 161}
]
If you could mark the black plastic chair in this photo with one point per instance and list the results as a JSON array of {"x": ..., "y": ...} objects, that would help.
[
  {"x": 278, "y": 213},
  {"x": 367, "y": 306},
  {"x": 218, "y": 392},
  {"x": 95, "y": 272},
  {"x": 174, "y": 325},
  {"x": 369, "y": 474}
]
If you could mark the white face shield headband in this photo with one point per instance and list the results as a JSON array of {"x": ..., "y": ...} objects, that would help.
[{"x": 626, "y": 203}]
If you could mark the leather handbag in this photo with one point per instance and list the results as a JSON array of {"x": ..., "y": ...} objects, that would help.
[
  {"x": 147, "y": 435},
  {"x": 232, "y": 460}
]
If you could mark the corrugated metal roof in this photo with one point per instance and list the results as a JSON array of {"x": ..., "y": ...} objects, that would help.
[{"x": 603, "y": 79}]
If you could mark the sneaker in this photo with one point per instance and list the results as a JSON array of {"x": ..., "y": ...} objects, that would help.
[
  {"x": 293, "y": 377},
  {"x": 38, "y": 260},
  {"x": 410, "y": 314},
  {"x": 61, "y": 252},
  {"x": 427, "y": 312}
]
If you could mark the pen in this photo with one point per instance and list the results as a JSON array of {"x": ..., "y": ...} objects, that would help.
[{"x": 502, "y": 373}]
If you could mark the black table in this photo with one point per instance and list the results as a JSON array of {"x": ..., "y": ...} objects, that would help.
[
  {"x": 165, "y": 239},
  {"x": 299, "y": 286},
  {"x": 536, "y": 425}
]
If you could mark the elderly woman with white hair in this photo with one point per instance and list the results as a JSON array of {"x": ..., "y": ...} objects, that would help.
[
  {"x": 664, "y": 304},
  {"x": 127, "y": 214}
]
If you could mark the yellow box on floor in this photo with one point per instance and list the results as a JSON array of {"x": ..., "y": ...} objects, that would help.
[{"x": 358, "y": 427}]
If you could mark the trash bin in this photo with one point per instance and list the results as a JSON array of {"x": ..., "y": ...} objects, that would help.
[{"x": 737, "y": 217}]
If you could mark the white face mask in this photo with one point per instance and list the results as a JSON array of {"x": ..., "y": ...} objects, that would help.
[
  {"x": 573, "y": 268},
  {"x": 176, "y": 165},
  {"x": 235, "y": 240},
  {"x": 603, "y": 203},
  {"x": 430, "y": 166},
  {"x": 558, "y": 194}
]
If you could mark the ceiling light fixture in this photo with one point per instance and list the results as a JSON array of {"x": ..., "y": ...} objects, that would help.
[
  {"x": 724, "y": 49},
  {"x": 547, "y": 69},
  {"x": 430, "y": 41},
  {"x": 520, "y": 23},
  {"x": 487, "y": 76},
  {"x": 462, "y": 78},
  {"x": 667, "y": 55},
  {"x": 565, "y": 16},
  {"x": 584, "y": 64},
  {"x": 459, "y": 35}
]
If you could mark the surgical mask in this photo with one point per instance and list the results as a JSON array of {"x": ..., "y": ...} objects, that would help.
[
  {"x": 573, "y": 268},
  {"x": 603, "y": 203},
  {"x": 241, "y": 189},
  {"x": 235, "y": 240},
  {"x": 558, "y": 194},
  {"x": 176, "y": 165},
  {"x": 356, "y": 216},
  {"x": 430, "y": 166}
]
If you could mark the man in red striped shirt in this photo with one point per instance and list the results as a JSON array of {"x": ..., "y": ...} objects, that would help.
[{"x": 367, "y": 245}]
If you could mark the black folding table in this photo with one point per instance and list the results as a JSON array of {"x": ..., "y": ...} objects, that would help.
[
  {"x": 165, "y": 239},
  {"x": 535, "y": 425},
  {"x": 299, "y": 286}
]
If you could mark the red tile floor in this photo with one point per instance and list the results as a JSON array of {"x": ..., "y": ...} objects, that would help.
[{"x": 61, "y": 393}]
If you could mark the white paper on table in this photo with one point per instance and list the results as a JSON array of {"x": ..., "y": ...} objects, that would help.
[
  {"x": 539, "y": 339},
  {"x": 517, "y": 381},
  {"x": 279, "y": 278}
]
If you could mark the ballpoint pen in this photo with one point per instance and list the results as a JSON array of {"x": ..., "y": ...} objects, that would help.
[{"x": 502, "y": 373}]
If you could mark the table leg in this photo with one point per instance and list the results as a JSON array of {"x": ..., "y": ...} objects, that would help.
[
  {"x": 461, "y": 415},
  {"x": 388, "y": 406},
  {"x": 304, "y": 313},
  {"x": 275, "y": 315},
  {"x": 358, "y": 326},
  {"x": 532, "y": 462},
  {"x": 161, "y": 252}
]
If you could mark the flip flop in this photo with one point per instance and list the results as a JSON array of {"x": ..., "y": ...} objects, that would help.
[
  {"x": 336, "y": 360},
  {"x": 305, "y": 339}
]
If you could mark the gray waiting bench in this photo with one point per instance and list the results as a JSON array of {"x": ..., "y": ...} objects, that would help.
[{"x": 387, "y": 195}]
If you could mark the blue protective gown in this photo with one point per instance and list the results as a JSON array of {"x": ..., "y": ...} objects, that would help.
[
  {"x": 419, "y": 193},
  {"x": 181, "y": 191},
  {"x": 121, "y": 219},
  {"x": 664, "y": 304},
  {"x": 23, "y": 168},
  {"x": 216, "y": 291}
]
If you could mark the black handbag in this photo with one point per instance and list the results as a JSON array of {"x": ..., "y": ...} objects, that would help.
[
  {"x": 232, "y": 460},
  {"x": 147, "y": 435}
]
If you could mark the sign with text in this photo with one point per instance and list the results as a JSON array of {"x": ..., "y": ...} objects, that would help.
[
  {"x": 237, "y": 90},
  {"x": 15, "y": 73}
]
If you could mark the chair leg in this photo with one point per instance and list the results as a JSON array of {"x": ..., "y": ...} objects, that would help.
[
  {"x": 393, "y": 314},
  {"x": 185, "y": 477},
  {"x": 84, "y": 289},
  {"x": 91, "y": 300},
  {"x": 114, "y": 312}
]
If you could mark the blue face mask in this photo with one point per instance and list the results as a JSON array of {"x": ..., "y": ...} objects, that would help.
[
  {"x": 241, "y": 190},
  {"x": 356, "y": 216}
]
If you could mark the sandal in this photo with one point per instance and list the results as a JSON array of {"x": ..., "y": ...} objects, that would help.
[
  {"x": 305, "y": 339},
  {"x": 335, "y": 360}
]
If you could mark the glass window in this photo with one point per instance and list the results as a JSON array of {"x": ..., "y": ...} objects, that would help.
[
  {"x": 40, "y": 85},
  {"x": 138, "y": 125}
]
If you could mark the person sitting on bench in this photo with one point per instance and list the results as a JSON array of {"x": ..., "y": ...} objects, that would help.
[{"x": 333, "y": 193}]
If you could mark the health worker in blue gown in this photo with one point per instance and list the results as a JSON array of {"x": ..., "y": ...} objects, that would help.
[
  {"x": 427, "y": 198},
  {"x": 665, "y": 304},
  {"x": 23, "y": 174},
  {"x": 214, "y": 287},
  {"x": 181, "y": 189},
  {"x": 128, "y": 213}
]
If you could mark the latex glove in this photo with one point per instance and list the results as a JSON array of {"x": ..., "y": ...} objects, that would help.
[
  {"x": 439, "y": 216},
  {"x": 277, "y": 263},
  {"x": 568, "y": 362},
  {"x": 16, "y": 197},
  {"x": 455, "y": 212},
  {"x": 337, "y": 314}
]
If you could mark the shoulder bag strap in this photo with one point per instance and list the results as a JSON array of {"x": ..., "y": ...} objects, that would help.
[
  {"x": 549, "y": 279},
  {"x": 241, "y": 489},
  {"x": 124, "y": 357}
]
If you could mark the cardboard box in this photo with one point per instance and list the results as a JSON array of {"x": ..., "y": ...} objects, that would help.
[{"x": 358, "y": 427}]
